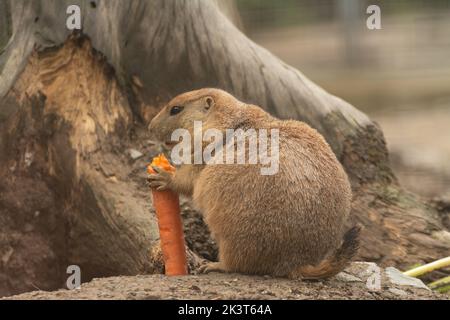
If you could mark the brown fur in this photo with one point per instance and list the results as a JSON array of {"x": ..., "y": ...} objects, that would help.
[{"x": 288, "y": 224}]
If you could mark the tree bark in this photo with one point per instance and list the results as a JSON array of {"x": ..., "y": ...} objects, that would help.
[{"x": 72, "y": 104}]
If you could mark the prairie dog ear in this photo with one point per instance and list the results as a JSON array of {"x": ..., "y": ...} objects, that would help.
[{"x": 209, "y": 102}]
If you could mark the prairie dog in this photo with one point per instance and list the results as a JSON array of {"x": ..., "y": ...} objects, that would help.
[{"x": 289, "y": 224}]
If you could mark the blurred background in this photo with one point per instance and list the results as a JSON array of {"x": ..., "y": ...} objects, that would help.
[{"x": 399, "y": 75}]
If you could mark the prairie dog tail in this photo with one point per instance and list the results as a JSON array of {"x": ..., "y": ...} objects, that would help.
[{"x": 335, "y": 262}]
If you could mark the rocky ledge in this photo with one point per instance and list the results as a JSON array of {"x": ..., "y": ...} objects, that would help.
[{"x": 361, "y": 280}]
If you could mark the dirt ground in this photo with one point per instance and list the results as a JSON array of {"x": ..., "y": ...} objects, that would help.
[{"x": 351, "y": 284}]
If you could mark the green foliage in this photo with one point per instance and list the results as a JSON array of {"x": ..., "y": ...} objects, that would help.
[{"x": 442, "y": 285}]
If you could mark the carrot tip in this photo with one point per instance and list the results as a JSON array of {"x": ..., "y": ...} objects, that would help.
[{"x": 161, "y": 162}]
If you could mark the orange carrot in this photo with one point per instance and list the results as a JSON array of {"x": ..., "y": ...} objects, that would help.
[
  {"x": 167, "y": 207},
  {"x": 161, "y": 162}
]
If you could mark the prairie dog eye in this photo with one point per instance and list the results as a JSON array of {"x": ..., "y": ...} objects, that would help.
[{"x": 175, "y": 110}]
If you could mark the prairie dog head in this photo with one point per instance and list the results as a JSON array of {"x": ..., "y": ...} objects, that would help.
[{"x": 213, "y": 107}]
